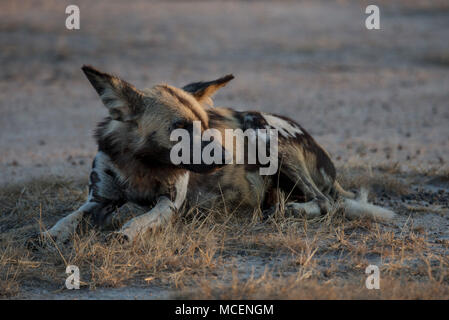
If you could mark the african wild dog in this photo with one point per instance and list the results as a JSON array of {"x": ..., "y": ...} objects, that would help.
[{"x": 133, "y": 162}]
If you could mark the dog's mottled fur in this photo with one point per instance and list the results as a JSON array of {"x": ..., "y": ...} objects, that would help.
[{"x": 133, "y": 161}]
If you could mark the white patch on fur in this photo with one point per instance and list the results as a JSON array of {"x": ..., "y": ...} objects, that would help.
[
  {"x": 363, "y": 196},
  {"x": 103, "y": 162},
  {"x": 353, "y": 208},
  {"x": 361, "y": 208},
  {"x": 181, "y": 190},
  {"x": 284, "y": 127},
  {"x": 326, "y": 178}
]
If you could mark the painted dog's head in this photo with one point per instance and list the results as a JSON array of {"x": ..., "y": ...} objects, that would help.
[{"x": 141, "y": 122}]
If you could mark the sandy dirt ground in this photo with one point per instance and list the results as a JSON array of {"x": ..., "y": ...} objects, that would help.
[{"x": 371, "y": 98}]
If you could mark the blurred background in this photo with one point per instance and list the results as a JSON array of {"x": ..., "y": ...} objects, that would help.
[{"x": 368, "y": 96}]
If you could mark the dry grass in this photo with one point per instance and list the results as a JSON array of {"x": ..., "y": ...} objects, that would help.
[{"x": 223, "y": 255}]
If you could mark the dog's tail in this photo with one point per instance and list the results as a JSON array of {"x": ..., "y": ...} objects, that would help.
[{"x": 359, "y": 206}]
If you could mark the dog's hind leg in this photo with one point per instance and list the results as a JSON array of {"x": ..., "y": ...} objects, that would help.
[
  {"x": 317, "y": 201},
  {"x": 317, "y": 205},
  {"x": 310, "y": 209}
]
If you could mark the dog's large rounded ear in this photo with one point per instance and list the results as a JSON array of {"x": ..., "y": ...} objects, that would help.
[
  {"x": 203, "y": 91},
  {"x": 122, "y": 99}
]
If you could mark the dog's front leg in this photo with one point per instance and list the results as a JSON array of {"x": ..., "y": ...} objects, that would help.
[
  {"x": 159, "y": 215},
  {"x": 104, "y": 197},
  {"x": 66, "y": 226},
  {"x": 62, "y": 230}
]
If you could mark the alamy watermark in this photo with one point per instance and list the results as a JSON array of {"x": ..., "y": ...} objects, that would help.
[
  {"x": 73, "y": 280},
  {"x": 372, "y": 22},
  {"x": 187, "y": 151},
  {"x": 373, "y": 280},
  {"x": 73, "y": 20}
]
